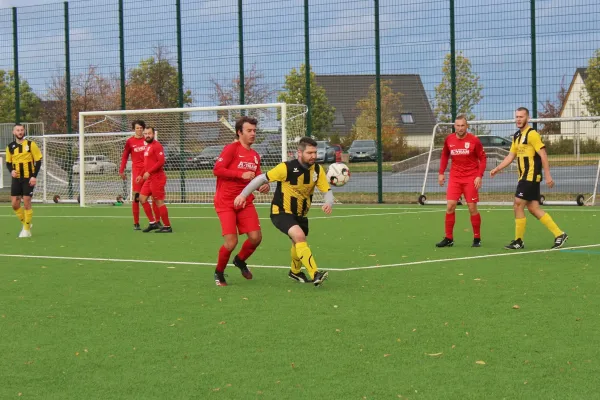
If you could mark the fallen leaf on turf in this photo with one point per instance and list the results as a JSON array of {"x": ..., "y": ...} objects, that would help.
[
  {"x": 525, "y": 383},
  {"x": 460, "y": 274},
  {"x": 516, "y": 306},
  {"x": 244, "y": 298},
  {"x": 372, "y": 255},
  {"x": 220, "y": 299},
  {"x": 414, "y": 330},
  {"x": 172, "y": 325},
  {"x": 76, "y": 353},
  {"x": 28, "y": 362},
  {"x": 222, "y": 323},
  {"x": 453, "y": 346},
  {"x": 434, "y": 354},
  {"x": 386, "y": 355},
  {"x": 467, "y": 333},
  {"x": 480, "y": 362},
  {"x": 477, "y": 279},
  {"x": 216, "y": 389},
  {"x": 171, "y": 267},
  {"x": 20, "y": 394},
  {"x": 335, "y": 306},
  {"x": 338, "y": 330},
  {"x": 398, "y": 340},
  {"x": 293, "y": 365},
  {"x": 44, "y": 266}
]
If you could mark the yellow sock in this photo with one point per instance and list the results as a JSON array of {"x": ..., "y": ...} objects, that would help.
[
  {"x": 27, "y": 223},
  {"x": 305, "y": 255},
  {"x": 296, "y": 263},
  {"x": 21, "y": 214},
  {"x": 520, "y": 227},
  {"x": 551, "y": 225}
]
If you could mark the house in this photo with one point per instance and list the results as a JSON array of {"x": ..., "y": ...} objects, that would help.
[
  {"x": 574, "y": 106},
  {"x": 415, "y": 118}
]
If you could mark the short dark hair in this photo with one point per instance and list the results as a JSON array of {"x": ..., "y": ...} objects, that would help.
[
  {"x": 461, "y": 116},
  {"x": 305, "y": 142},
  {"x": 523, "y": 109},
  {"x": 151, "y": 128},
  {"x": 138, "y": 122},
  {"x": 239, "y": 124},
  {"x": 21, "y": 125}
]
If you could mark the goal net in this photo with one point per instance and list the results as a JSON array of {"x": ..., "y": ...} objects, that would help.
[
  {"x": 573, "y": 151},
  {"x": 84, "y": 167}
]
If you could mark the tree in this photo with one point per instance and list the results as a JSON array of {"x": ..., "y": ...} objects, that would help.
[
  {"x": 592, "y": 85},
  {"x": 551, "y": 109},
  {"x": 322, "y": 113},
  {"x": 255, "y": 92},
  {"x": 161, "y": 76},
  {"x": 365, "y": 127},
  {"x": 468, "y": 92},
  {"x": 30, "y": 103}
]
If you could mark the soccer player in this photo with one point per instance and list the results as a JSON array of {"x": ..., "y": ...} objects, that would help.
[
  {"x": 296, "y": 181},
  {"x": 467, "y": 169},
  {"x": 528, "y": 149},
  {"x": 154, "y": 181},
  {"x": 235, "y": 167},
  {"x": 23, "y": 160},
  {"x": 136, "y": 146}
]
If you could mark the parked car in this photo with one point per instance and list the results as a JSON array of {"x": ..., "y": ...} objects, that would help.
[
  {"x": 207, "y": 157},
  {"x": 325, "y": 152},
  {"x": 270, "y": 152},
  {"x": 338, "y": 152},
  {"x": 96, "y": 164},
  {"x": 495, "y": 141},
  {"x": 178, "y": 161},
  {"x": 362, "y": 150}
]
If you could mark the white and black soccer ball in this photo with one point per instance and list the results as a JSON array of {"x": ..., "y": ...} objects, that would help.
[{"x": 338, "y": 174}]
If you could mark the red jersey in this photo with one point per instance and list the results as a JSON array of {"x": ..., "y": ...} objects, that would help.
[
  {"x": 154, "y": 159},
  {"x": 467, "y": 154},
  {"x": 136, "y": 147},
  {"x": 234, "y": 160}
]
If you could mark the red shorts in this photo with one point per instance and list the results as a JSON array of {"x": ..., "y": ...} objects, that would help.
[
  {"x": 136, "y": 187},
  {"x": 466, "y": 186},
  {"x": 239, "y": 221},
  {"x": 155, "y": 187}
]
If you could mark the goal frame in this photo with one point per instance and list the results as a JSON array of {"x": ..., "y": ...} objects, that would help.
[
  {"x": 82, "y": 135},
  {"x": 580, "y": 200}
]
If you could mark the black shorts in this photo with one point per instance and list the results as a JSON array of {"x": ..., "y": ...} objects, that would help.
[
  {"x": 20, "y": 187},
  {"x": 284, "y": 222},
  {"x": 529, "y": 191}
]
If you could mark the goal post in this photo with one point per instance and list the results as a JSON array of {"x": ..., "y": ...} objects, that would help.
[
  {"x": 572, "y": 168},
  {"x": 192, "y": 137}
]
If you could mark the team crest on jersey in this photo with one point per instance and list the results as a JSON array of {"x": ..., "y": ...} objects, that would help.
[
  {"x": 467, "y": 144},
  {"x": 315, "y": 176},
  {"x": 26, "y": 148}
]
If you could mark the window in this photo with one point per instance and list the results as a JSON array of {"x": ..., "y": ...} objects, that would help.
[{"x": 407, "y": 118}]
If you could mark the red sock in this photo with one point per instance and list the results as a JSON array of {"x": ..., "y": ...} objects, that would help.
[
  {"x": 247, "y": 250},
  {"x": 164, "y": 214},
  {"x": 476, "y": 222},
  {"x": 156, "y": 210},
  {"x": 148, "y": 212},
  {"x": 450, "y": 219},
  {"x": 135, "y": 209},
  {"x": 224, "y": 255}
]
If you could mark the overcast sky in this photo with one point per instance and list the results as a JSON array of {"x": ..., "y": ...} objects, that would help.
[{"x": 25, "y": 3}]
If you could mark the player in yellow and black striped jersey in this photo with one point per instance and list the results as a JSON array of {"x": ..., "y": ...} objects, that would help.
[
  {"x": 296, "y": 182},
  {"x": 529, "y": 150},
  {"x": 23, "y": 160}
]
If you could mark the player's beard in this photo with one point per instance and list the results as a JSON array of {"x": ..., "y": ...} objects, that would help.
[
  {"x": 460, "y": 136},
  {"x": 149, "y": 141},
  {"x": 20, "y": 137}
]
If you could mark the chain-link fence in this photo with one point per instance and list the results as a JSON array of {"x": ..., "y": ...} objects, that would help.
[{"x": 383, "y": 70}]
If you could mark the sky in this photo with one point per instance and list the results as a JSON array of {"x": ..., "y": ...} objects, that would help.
[{"x": 414, "y": 40}]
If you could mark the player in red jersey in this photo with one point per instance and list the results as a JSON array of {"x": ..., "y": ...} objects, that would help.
[
  {"x": 135, "y": 146},
  {"x": 468, "y": 166},
  {"x": 154, "y": 181},
  {"x": 237, "y": 165}
]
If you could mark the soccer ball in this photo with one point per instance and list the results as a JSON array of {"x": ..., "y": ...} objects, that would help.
[{"x": 338, "y": 174}]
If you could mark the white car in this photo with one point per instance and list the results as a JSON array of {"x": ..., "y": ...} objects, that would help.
[{"x": 98, "y": 164}]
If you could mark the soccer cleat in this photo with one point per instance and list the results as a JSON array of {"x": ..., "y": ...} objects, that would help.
[
  {"x": 136, "y": 227},
  {"x": 220, "y": 279},
  {"x": 25, "y": 234},
  {"x": 320, "y": 276},
  {"x": 515, "y": 245},
  {"x": 160, "y": 225},
  {"x": 151, "y": 227},
  {"x": 300, "y": 277},
  {"x": 243, "y": 267},
  {"x": 560, "y": 240},
  {"x": 165, "y": 229},
  {"x": 445, "y": 243},
  {"x": 476, "y": 242}
]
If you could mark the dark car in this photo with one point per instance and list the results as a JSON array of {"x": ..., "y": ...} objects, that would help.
[
  {"x": 325, "y": 152},
  {"x": 270, "y": 153},
  {"x": 362, "y": 150},
  {"x": 178, "y": 161},
  {"x": 207, "y": 157},
  {"x": 495, "y": 141}
]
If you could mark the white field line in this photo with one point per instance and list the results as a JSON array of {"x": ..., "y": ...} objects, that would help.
[{"x": 406, "y": 264}]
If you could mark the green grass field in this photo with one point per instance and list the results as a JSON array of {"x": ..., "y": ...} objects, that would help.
[{"x": 103, "y": 312}]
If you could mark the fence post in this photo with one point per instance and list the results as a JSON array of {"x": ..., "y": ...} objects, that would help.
[
  {"x": 452, "y": 62},
  {"x": 68, "y": 94},
  {"x": 122, "y": 56},
  {"x": 180, "y": 99},
  {"x": 16, "y": 68},
  {"x": 307, "y": 70},
  {"x": 533, "y": 66},
  {"x": 241, "y": 47},
  {"x": 378, "y": 107}
]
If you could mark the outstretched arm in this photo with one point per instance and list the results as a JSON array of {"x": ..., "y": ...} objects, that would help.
[{"x": 505, "y": 163}]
